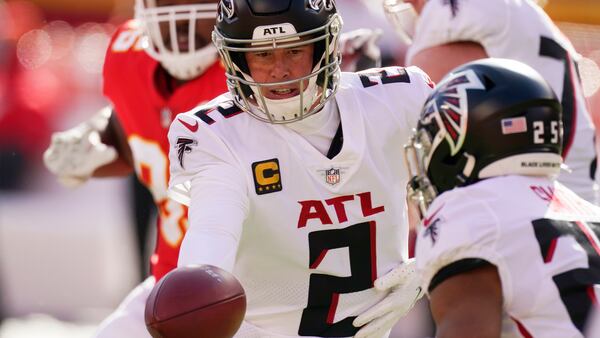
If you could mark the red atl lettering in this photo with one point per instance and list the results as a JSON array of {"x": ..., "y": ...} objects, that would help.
[
  {"x": 314, "y": 209},
  {"x": 340, "y": 208},
  {"x": 367, "y": 205}
]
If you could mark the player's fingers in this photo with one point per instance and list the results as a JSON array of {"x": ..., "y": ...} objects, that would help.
[
  {"x": 377, "y": 310},
  {"x": 393, "y": 278},
  {"x": 379, "y": 326},
  {"x": 398, "y": 276},
  {"x": 105, "y": 154}
]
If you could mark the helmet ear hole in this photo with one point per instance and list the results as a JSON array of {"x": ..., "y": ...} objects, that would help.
[
  {"x": 452, "y": 160},
  {"x": 488, "y": 83}
]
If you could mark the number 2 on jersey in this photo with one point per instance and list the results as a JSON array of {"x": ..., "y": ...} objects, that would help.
[{"x": 324, "y": 290}]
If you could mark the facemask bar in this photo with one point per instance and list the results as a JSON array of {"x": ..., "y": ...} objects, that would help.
[
  {"x": 327, "y": 69},
  {"x": 403, "y": 18},
  {"x": 182, "y": 64},
  {"x": 419, "y": 188}
]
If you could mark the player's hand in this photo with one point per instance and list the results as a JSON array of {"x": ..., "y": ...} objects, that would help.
[
  {"x": 360, "y": 43},
  {"x": 404, "y": 289},
  {"x": 74, "y": 154}
]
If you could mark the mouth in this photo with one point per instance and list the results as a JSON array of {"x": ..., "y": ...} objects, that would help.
[{"x": 281, "y": 93}]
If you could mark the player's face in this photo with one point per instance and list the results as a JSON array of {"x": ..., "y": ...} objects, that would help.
[
  {"x": 204, "y": 27},
  {"x": 278, "y": 65}
]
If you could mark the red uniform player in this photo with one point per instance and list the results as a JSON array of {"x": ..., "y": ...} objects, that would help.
[{"x": 157, "y": 66}]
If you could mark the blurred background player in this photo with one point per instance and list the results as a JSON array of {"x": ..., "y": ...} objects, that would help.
[
  {"x": 291, "y": 175},
  {"x": 446, "y": 33},
  {"x": 161, "y": 64},
  {"x": 501, "y": 238}
]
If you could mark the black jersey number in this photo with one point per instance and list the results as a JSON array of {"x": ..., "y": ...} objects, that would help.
[
  {"x": 384, "y": 76},
  {"x": 552, "y": 49},
  {"x": 324, "y": 290},
  {"x": 576, "y": 286}
]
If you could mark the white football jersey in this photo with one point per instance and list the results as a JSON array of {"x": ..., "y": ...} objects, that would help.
[
  {"x": 521, "y": 30},
  {"x": 316, "y": 231},
  {"x": 542, "y": 238}
]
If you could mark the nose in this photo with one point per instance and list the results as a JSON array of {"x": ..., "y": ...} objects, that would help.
[{"x": 281, "y": 67}]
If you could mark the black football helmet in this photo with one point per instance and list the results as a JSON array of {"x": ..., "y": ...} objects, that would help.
[
  {"x": 259, "y": 25},
  {"x": 487, "y": 118}
]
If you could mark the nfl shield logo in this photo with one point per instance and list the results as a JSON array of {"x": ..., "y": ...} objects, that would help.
[{"x": 332, "y": 176}]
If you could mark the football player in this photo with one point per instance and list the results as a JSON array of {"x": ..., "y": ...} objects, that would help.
[
  {"x": 448, "y": 33},
  {"x": 294, "y": 178},
  {"x": 501, "y": 238},
  {"x": 158, "y": 65}
]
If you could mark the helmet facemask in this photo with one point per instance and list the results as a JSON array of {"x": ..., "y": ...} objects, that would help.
[
  {"x": 403, "y": 18},
  {"x": 315, "y": 89},
  {"x": 417, "y": 153},
  {"x": 166, "y": 26}
]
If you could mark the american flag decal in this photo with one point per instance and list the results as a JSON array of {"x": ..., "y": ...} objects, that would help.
[
  {"x": 514, "y": 125},
  {"x": 184, "y": 146}
]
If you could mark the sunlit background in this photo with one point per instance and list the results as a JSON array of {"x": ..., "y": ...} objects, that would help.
[{"x": 67, "y": 257}]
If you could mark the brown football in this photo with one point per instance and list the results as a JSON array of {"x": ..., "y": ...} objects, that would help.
[{"x": 195, "y": 302}]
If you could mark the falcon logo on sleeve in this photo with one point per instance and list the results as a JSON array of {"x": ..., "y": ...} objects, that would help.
[
  {"x": 431, "y": 225},
  {"x": 184, "y": 146},
  {"x": 453, "y": 6}
]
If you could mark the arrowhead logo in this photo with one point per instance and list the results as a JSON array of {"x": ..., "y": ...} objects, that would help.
[{"x": 192, "y": 127}]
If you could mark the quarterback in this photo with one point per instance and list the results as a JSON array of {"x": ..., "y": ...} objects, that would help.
[
  {"x": 447, "y": 33},
  {"x": 501, "y": 238},
  {"x": 157, "y": 66},
  {"x": 294, "y": 178}
]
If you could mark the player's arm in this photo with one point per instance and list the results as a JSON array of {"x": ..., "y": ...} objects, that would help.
[
  {"x": 437, "y": 61},
  {"x": 96, "y": 147},
  {"x": 468, "y": 304},
  {"x": 114, "y": 136},
  {"x": 217, "y": 193}
]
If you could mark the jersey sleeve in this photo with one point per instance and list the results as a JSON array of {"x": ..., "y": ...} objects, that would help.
[
  {"x": 443, "y": 21},
  {"x": 405, "y": 91},
  {"x": 217, "y": 192},
  {"x": 456, "y": 228}
]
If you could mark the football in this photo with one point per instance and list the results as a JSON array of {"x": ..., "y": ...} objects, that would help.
[{"x": 195, "y": 302}]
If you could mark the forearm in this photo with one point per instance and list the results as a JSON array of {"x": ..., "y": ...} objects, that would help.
[
  {"x": 468, "y": 304},
  {"x": 216, "y": 215},
  {"x": 113, "y": 135}
]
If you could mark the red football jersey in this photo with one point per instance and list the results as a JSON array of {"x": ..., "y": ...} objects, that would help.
[{"x": 145, "y": 114}]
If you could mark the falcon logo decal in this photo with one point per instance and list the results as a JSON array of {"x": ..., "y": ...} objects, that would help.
[
  {"x": 226, "y": 10},
  {"x": 318, "y": 4},
  {"x": 184, "y": 146},
  {"x": 449, "y": 108}
]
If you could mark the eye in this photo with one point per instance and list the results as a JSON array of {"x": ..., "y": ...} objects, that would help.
[
  {"x": 295, "y": 51},
  {"x": 262, "y": 54}
]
